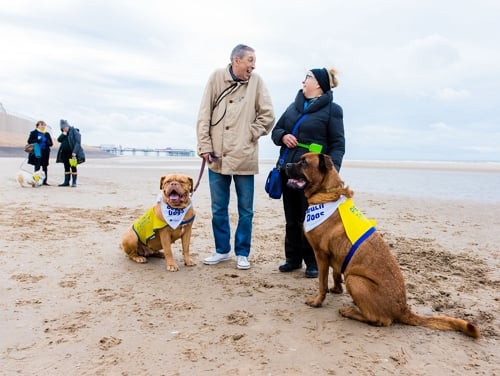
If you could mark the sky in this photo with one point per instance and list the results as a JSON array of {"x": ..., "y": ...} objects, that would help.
[{"x": 418, "y": 80}]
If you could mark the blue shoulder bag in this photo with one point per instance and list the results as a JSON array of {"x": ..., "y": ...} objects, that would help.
[{"x": 273, "y": 184}]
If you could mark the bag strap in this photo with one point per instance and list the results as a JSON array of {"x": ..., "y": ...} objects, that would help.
[
  {"x": 228, "y": 90},
  {"x": 281, "y": 160}
]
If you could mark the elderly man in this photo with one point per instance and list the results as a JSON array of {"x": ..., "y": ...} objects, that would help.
[{"x": 235, "y": 111}]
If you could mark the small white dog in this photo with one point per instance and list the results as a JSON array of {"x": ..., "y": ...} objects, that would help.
[{"x": 27, "y": 179}]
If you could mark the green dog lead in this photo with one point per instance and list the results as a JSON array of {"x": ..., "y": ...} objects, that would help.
[{"x": 313, "y": 148}]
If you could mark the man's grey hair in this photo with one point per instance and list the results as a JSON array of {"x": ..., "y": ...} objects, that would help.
[{"x": 240, "y": 50}]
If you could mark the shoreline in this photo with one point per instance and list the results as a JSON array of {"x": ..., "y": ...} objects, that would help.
[
  {"x": 454, "y": 182},
  {"x": 473, "y": 166}
]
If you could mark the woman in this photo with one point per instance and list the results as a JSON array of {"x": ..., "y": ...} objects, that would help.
[
  {"x": 70, "y": 152},
  {"x": 324, "y": 126},
  {"x": 40, "y": 157}
]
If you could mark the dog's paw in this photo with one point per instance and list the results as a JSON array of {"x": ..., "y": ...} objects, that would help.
[
  {"x": 345, "y": 311},
  {"x": 172, "y": 267},
  {"x": 336, "y": 289},
  {"x": 139, "y": 259},
  {"x": 315, "y": 302},
  {"x": 354, "y": 314},
  {"x": 158, "y": 254},
  {"x": 189, "y": 262}
]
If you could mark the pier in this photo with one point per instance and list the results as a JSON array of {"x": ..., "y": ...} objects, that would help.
[{"x": 166, "y": 152}]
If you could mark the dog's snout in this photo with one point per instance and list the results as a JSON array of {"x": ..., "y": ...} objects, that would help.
[{"x": 288, "y": 168}]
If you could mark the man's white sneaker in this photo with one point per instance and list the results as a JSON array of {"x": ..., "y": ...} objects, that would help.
[
  {"x": 242, "y": 262},
  {"x": 215, "y": 258}
]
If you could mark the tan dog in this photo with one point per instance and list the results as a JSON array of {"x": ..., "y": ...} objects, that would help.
[
  {"x": 371, "y": 273},
  {"x": 28, "y": 179},
  {"x": 169, "y": 219}
]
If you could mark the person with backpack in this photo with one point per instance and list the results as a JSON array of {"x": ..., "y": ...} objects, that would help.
[{"x": 70, "y": 152}]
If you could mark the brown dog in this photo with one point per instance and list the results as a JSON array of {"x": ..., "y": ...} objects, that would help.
[
  {"x": 170, "y": 219},
  {"x": 342, "y": 238}
]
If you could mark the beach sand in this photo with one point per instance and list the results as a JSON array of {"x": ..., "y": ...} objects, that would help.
[{"x": 72, "y": 303}]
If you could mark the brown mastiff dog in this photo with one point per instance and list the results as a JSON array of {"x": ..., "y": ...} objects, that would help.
[
  {"x": 169, "y": 219},
  {"x": 343, "y": 239}
]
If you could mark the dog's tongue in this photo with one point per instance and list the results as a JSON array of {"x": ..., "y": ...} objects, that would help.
[
  {"x": 174, "y": 197},
  {"x": 296, "y": 183}
]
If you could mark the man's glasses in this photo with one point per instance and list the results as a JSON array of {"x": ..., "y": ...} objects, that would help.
[{"x": 308, "y": 76}]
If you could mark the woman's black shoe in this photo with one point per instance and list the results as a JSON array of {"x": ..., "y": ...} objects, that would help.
[
  {"x": 311, "y": 272},
  {"x": 288, "y": 267}
]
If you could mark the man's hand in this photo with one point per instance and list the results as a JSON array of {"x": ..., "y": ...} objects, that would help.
[{"x": 209, "y": 157}]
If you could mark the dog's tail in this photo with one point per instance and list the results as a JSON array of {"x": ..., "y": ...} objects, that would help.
[{"x": 440, "y": 323}]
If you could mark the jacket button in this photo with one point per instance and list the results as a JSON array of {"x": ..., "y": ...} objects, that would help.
[{"x": 230, "y": 101}]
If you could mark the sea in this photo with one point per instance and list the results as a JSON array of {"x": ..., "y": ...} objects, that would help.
[
  {"x": 460, "y": 181},
  {"x": 420, "y": 182}
]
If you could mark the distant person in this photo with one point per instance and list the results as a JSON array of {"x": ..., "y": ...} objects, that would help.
[
  {"x": 70, "y": 152},
  {"x": 235, "y": 111},
  {"x": 323, "y": 125},
  {"x": 40, "y": 156}
]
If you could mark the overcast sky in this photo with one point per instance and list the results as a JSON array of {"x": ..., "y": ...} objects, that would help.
[{"x": 419, "y": 80}]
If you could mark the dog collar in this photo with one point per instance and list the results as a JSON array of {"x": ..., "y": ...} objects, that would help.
[{"x": 330, "y": 190}]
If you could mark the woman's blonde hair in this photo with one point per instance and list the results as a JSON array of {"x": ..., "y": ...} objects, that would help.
[{"x": 332, "y": 75}]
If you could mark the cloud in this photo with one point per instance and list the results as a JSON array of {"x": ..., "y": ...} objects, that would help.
[
  {"x": 441, "y": 127},
  {"x": 134, "y": 72},
  {"x": 448, "y": 94},
  {"x": 433, "y": 52}
]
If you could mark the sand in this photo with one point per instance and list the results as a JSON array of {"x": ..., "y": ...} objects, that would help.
[{"x": 73, "y": 304}]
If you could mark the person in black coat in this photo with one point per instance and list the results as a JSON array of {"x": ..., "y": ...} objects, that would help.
[
  {"x": 324, "y": 126},
  {"x": 70, "y": 152},
  {"x": 39, "y": 158}
]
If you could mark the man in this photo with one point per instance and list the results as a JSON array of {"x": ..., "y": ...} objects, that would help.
[{"x": 235, "y": 111}]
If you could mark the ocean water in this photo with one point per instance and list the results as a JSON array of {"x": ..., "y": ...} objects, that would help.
[
  {"x": 452, "y": 181},
  {"x": 420, "y": 183},
  {"x": 478, "y": 182}
]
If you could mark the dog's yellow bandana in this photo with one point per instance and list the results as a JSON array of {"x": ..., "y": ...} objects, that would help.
[
  {"x": 146, "y": 225},
  {"x": 356, "y": 225}
]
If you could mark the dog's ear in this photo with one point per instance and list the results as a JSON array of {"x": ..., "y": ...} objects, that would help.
[
  {"x": 325, "y": 163},
  {"x": 161, "y": 181}
]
